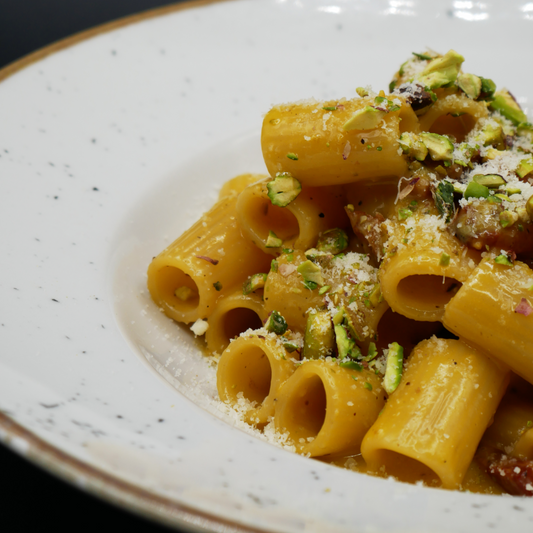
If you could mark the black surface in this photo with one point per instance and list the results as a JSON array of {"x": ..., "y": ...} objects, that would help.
[{"x": 33, "y": 500}]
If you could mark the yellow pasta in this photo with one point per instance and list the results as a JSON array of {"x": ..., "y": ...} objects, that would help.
[
  {"x": 486, "y": 312},
  {"x": 252, "y": 370},
  {"x": 297, "y": 225},
  {"x": 206, "y": 263},
  {"x": 424, "y": 265},
  {"x": 433, "y": 422},
  {"x": 309, "y": 140},
  {"x": 327, "y": 409},
  {"x": 233, "y": 315},
  {"x": 370, "y": 296}
]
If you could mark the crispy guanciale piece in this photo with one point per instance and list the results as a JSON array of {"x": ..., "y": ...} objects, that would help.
[
  {"x": 483, "y": 224},
  {"x": 368, "y": 228},
  {"x": 513, "y": 474}
]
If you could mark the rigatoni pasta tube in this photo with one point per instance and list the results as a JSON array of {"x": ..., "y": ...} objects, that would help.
[
  {"x": 424, "y": 265},
  {"x": 453, "y": 114},
  {"x": 207, "y": 262},
  {"x": 250, "y": 373},
  {"x": 327, "y": 409},
  {"x": 236, "y": 185},
  {"x": 433, "y": 422},
  {"x": 309, "y": 141},
  {"x": 298, "y": 224},
  {"x": 491, "y": 310},
  {"x": 233, "y": 315}
]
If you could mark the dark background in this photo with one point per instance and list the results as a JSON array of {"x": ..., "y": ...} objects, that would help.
[{"x": 31, "y": 499}]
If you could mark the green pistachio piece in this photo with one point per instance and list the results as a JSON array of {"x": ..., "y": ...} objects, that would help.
[
  {"x": 332, "y": 241},
  {"x": 345, "y": 344},
  {"x": 283, "y": 189},
  {"x": 492, "y": 181},
  {"x": 273, "y": 241},
  {"x": 470, "y": 85},
  {"x": 394, "y": 368},
  {"x": 276, "y": 323},
  {"x": 525, "y": 167},
  {"x": 319, "y": 338},
  {"x": 508, "y": 218},
  {"x": 183, "y": 293},
  {"x": 367, "y": 118},
  {"x": 490, "y": 135},
  {"x": 311, "y": 272},
  {"x": 508, "y": 107},
  {"x": 439, "y": 146},
  {"x": 412, "y": 146},
  {"x": 503, "y": 259},
  {"x": 476, "y": 190},
  {"x": 529, "y": 207},
  {"x": 442, "y": 70},
  {"x": 362, "y": 91},
  {"x": 488, "y": 87},
  {"x": 253, "y": 283}
]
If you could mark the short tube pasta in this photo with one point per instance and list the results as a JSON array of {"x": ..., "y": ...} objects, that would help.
[
  {"x": 327, "y": 409},
  {"x": 250, "y": 373},
  {"x": 424, "y": 266},
  {"x": 486, "y": 312},
  {"x": 233, "y": 315},
  {"x": 308, "y": 140},
  {"x": 297, "y": 225},
  {"x": 433, "y": 422},
  {"x": 206, "y": 263}
]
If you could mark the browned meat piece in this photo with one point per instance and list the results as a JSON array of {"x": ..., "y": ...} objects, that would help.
[
  {"x": 479, "y": 227},
  {"x": 368, "y": 229},
  {"x": 514, "y": 475}
]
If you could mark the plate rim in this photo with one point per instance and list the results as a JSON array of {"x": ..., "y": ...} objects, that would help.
[{"x": 96, "y": 482}]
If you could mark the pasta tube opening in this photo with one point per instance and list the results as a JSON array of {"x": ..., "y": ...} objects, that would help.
[
  {"x": 261, "y": 217},
  {"x": 239, "y": 320},
  {"x": 327, "y": 409},
  {"x": 414, "y": 291},
  {"x": 176, "y": 289},
  {"x": 250, "y": 373}
]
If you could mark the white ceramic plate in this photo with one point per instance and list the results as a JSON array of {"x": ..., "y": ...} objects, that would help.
[{"x": 112, "y": 146}]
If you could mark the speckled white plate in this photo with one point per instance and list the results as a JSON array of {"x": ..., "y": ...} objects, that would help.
[{"x": 109, "y": 148}]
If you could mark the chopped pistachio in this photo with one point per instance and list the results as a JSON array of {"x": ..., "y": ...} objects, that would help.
[
  {"x": 439, "y": 146},
  {"x": 375, "y": 297},
  {"x": 311, "y": 272},
  {"x": 330, "y": 108},
  {"x": 421, "y": 56},
  {"x": 525, "y": 167},
  {"x": 476, "y": 190},
  {"x": 442, "y": 70},
  {"x": 503, "y": 259},
  {"x": 508, "y": 218},
  {"x": 500, "y": 197},
  {"x": 404, "y": 213},
  {"x": 293, "y": 156},
  {"x": 351, "y": 365},
  {"x": 444, "y": 259},
  {"x": 183, "y": 293},
  {"x": 283, "y": 189},
  {"x": 274, "y": 265},
  {"x": 488, "y": 87},
  {"x": 508, "y": 107},
  {"x": 411, "y": 145},
  {"x": 470, "y": 85},
  {"x": 490, "y": 134},
  {"x": 276, "y": 323},
  {"x": 372, "y": 352},
  {"x": 368, "y": 385},
  {"x": 324, "y": 289},
  {"x": 492, "y": 181},
  {"x": 332, "y": 241},
  {"x": 273, "y": 241},
  {"x": 361, "y": 91},
  {"x": 311, "y": 285},
  {"x": 394, "y": 368},
  {"x": 529, "y": 207},
  {"x": 345, "y": 344},
  {"x": 319, "y": 339},
  {"x": 367, "y": 118},
  {"x": 253, "y": 283}
]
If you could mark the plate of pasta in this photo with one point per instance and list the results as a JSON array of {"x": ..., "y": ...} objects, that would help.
[{"x": 269, "y": 265}]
